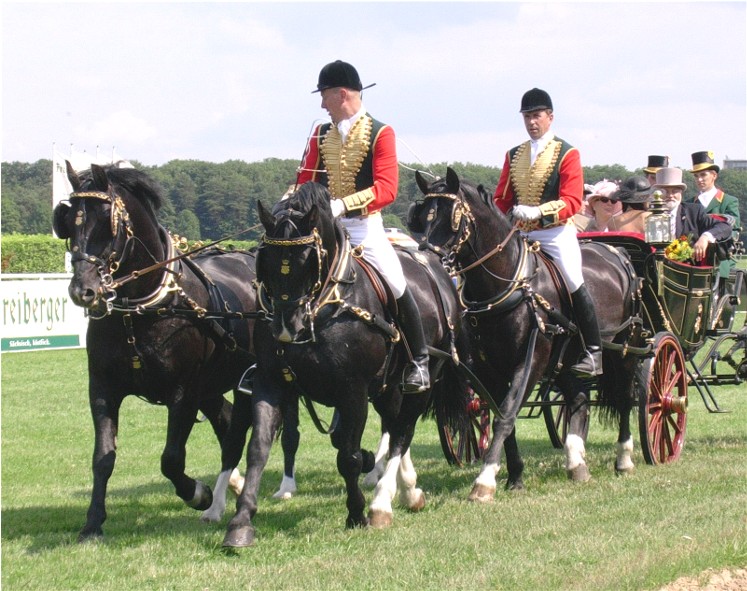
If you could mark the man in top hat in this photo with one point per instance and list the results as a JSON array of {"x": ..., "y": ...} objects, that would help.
[
  {"x": 541, "y": 186},
  {"x": 634, "y": 194},
  {"x": 689, "y": 219},
  {"x": 355, "y": 157},
  {"x": 713, "y": 199},
  {"x": 654, "y": 164}
]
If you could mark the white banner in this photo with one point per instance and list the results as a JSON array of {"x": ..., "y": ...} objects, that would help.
[{"x": 37, "y": 313}]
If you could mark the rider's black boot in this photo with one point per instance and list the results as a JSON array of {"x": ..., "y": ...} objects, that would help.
[
  {"x": 417, "y": 377},
  {"x": 590, "y": 363}
]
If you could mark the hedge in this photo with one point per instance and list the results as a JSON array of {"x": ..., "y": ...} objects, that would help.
[
  {"x": 38, "y": 253},
  {"x": 43, "y": 253}
]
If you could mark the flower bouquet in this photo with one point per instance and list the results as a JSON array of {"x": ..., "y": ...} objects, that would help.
[{"x": 680, "y": 250}]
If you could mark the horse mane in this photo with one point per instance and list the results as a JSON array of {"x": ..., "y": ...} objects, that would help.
[
  {"x": 307, "y": 195},
  {"x": 142, "y": 186}
]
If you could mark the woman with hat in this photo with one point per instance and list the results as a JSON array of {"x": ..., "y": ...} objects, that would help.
[
  {"x": 633, "y": 195},
  {"x": 689, "y": 219},
  {"x": 603, "y": 206},
  {"x": 713, "y": 199},
  {"x": 355, "y": 157}
]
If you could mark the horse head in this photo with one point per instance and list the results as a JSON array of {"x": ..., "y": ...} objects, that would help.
[
  {"x": 294, "y": 259},
  {"x": 110, "y": 226},
  {"x": 447, "y": 216},
  {"x": 460, "y": 223}
]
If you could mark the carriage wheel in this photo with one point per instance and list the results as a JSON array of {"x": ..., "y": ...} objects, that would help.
[
  {"x": 662, "y": 409},
  {"x": 557, "y": 419},
  {"x": 466, "y": 445}
]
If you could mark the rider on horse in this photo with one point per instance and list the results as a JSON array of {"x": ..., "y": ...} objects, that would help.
[
  {"x": 356, "y": 159},
  {"x": 542, "y": 186}
]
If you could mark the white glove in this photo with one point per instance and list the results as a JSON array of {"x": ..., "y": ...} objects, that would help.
[
  {"x": 526, "y": 213},
  {"x": 338, "y": 207}
]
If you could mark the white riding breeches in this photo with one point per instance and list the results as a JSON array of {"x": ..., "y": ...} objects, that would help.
[
  {"x": 377, "y": 250},
  {"x": 561, "y": 244}
]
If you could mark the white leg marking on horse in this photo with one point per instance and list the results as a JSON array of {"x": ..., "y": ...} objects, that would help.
[
  {"x": 487, "y": 475},
  {"x": 624, "y": 461},
  {"x": 287, "y": 488},
  {"x": 386, "y": 488},
  {"x": 236, "y": 482},
  {"x": 214, "y": 513},
  {"x": 407, "y": 479},
  {"x": 575, "y": 452},
  {"x": 373, "y": 476}
]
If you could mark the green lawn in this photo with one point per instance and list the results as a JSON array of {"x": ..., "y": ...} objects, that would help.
[{"x": 631, "y": 533}]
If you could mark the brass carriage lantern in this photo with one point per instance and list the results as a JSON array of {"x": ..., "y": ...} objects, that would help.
[{"x": 658, "y": 229}]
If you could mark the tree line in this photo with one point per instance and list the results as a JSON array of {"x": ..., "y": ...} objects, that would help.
[{"x": 209, "y": 201}]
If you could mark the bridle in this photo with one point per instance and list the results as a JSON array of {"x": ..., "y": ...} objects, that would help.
[
  {"x": 462, "y": 223},
  {"x": 121, "y": 246},
  {"x": 121, "y": 230}
]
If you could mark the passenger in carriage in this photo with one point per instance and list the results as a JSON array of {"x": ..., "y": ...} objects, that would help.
[
  {"x": 634, "y": 194},
  {"x": 654, "y": 164},
  {"x": 355, "y": 157},
  {"x": 689, "y": 219},
  {"x": 713, "y": 199},
  {"x": 541, "y": 187},
  {"x": 603, "y": 205}
]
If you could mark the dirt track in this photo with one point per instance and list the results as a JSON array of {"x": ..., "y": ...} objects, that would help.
[{"x": 725, "y": 580}]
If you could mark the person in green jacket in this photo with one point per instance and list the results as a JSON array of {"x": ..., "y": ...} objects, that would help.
[{"x": 715, "y": 201}]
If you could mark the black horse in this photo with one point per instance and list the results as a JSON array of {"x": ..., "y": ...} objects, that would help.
[
  {"x": 518, "y": 318},
  {"x": 172, "y": 329},
  {"x": 329, "y": 336}
]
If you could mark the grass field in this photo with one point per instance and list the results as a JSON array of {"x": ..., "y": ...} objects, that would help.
[{"x": 631, "y": 533}]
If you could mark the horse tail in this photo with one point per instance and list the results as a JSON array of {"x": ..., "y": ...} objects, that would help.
[
  {"x": 617, "y": 386},
  {"x": 450, "y": 395}
]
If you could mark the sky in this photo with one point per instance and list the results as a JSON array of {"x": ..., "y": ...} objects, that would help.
[{"x": 217, "y": 81}]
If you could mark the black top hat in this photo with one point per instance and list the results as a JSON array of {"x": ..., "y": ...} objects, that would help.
[
  {"x": 635, "y": 189},
  {"x": 655, "y": 163},
  {"x": 704, "y": 161},
  {"x": 339, "y": 73},
  {"x": 535, "y": 100}
]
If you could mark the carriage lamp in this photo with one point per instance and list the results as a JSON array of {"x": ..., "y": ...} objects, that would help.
[{"x": 658, "y": 229}]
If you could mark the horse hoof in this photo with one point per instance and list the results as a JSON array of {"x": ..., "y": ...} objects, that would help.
[
  {"x": 580, "y": 473},
  {"x": 371, "y": 479},
  {"x": 481, "y": 494},
  {"x": 624, "y": 471},
  {"x": 91, "y": 536},
  {"x": 203, "y": 497},
  {"x": 514, "y": 485},
  {"x": 241, "y": 537},
  {"x": 419, "y": 503},
  {"x": 379, "y": 519}
]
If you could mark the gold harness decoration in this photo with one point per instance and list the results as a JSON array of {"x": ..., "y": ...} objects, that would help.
[{"x": 343, "y": 162}]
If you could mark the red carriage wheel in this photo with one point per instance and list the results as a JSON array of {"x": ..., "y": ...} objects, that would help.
[
  {"x": 468, "y": 444},
  {"x": 662, "y": 409}
]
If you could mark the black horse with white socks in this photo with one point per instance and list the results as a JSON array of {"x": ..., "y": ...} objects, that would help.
[
  {"x": 521, "y": 325},
  {"x": 330, "y": 336}
]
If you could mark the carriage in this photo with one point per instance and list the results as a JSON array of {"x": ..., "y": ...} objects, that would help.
[{"x": 695, "y": 334}]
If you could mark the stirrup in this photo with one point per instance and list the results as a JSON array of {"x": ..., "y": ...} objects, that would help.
[
  {"x": 417, "y": 377},
  {"x": 246, "y": 383},
  {"x": 590, "y": 364}
]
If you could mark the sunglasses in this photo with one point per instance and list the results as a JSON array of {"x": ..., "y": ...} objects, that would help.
[{"x": 607, "y": 200}]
